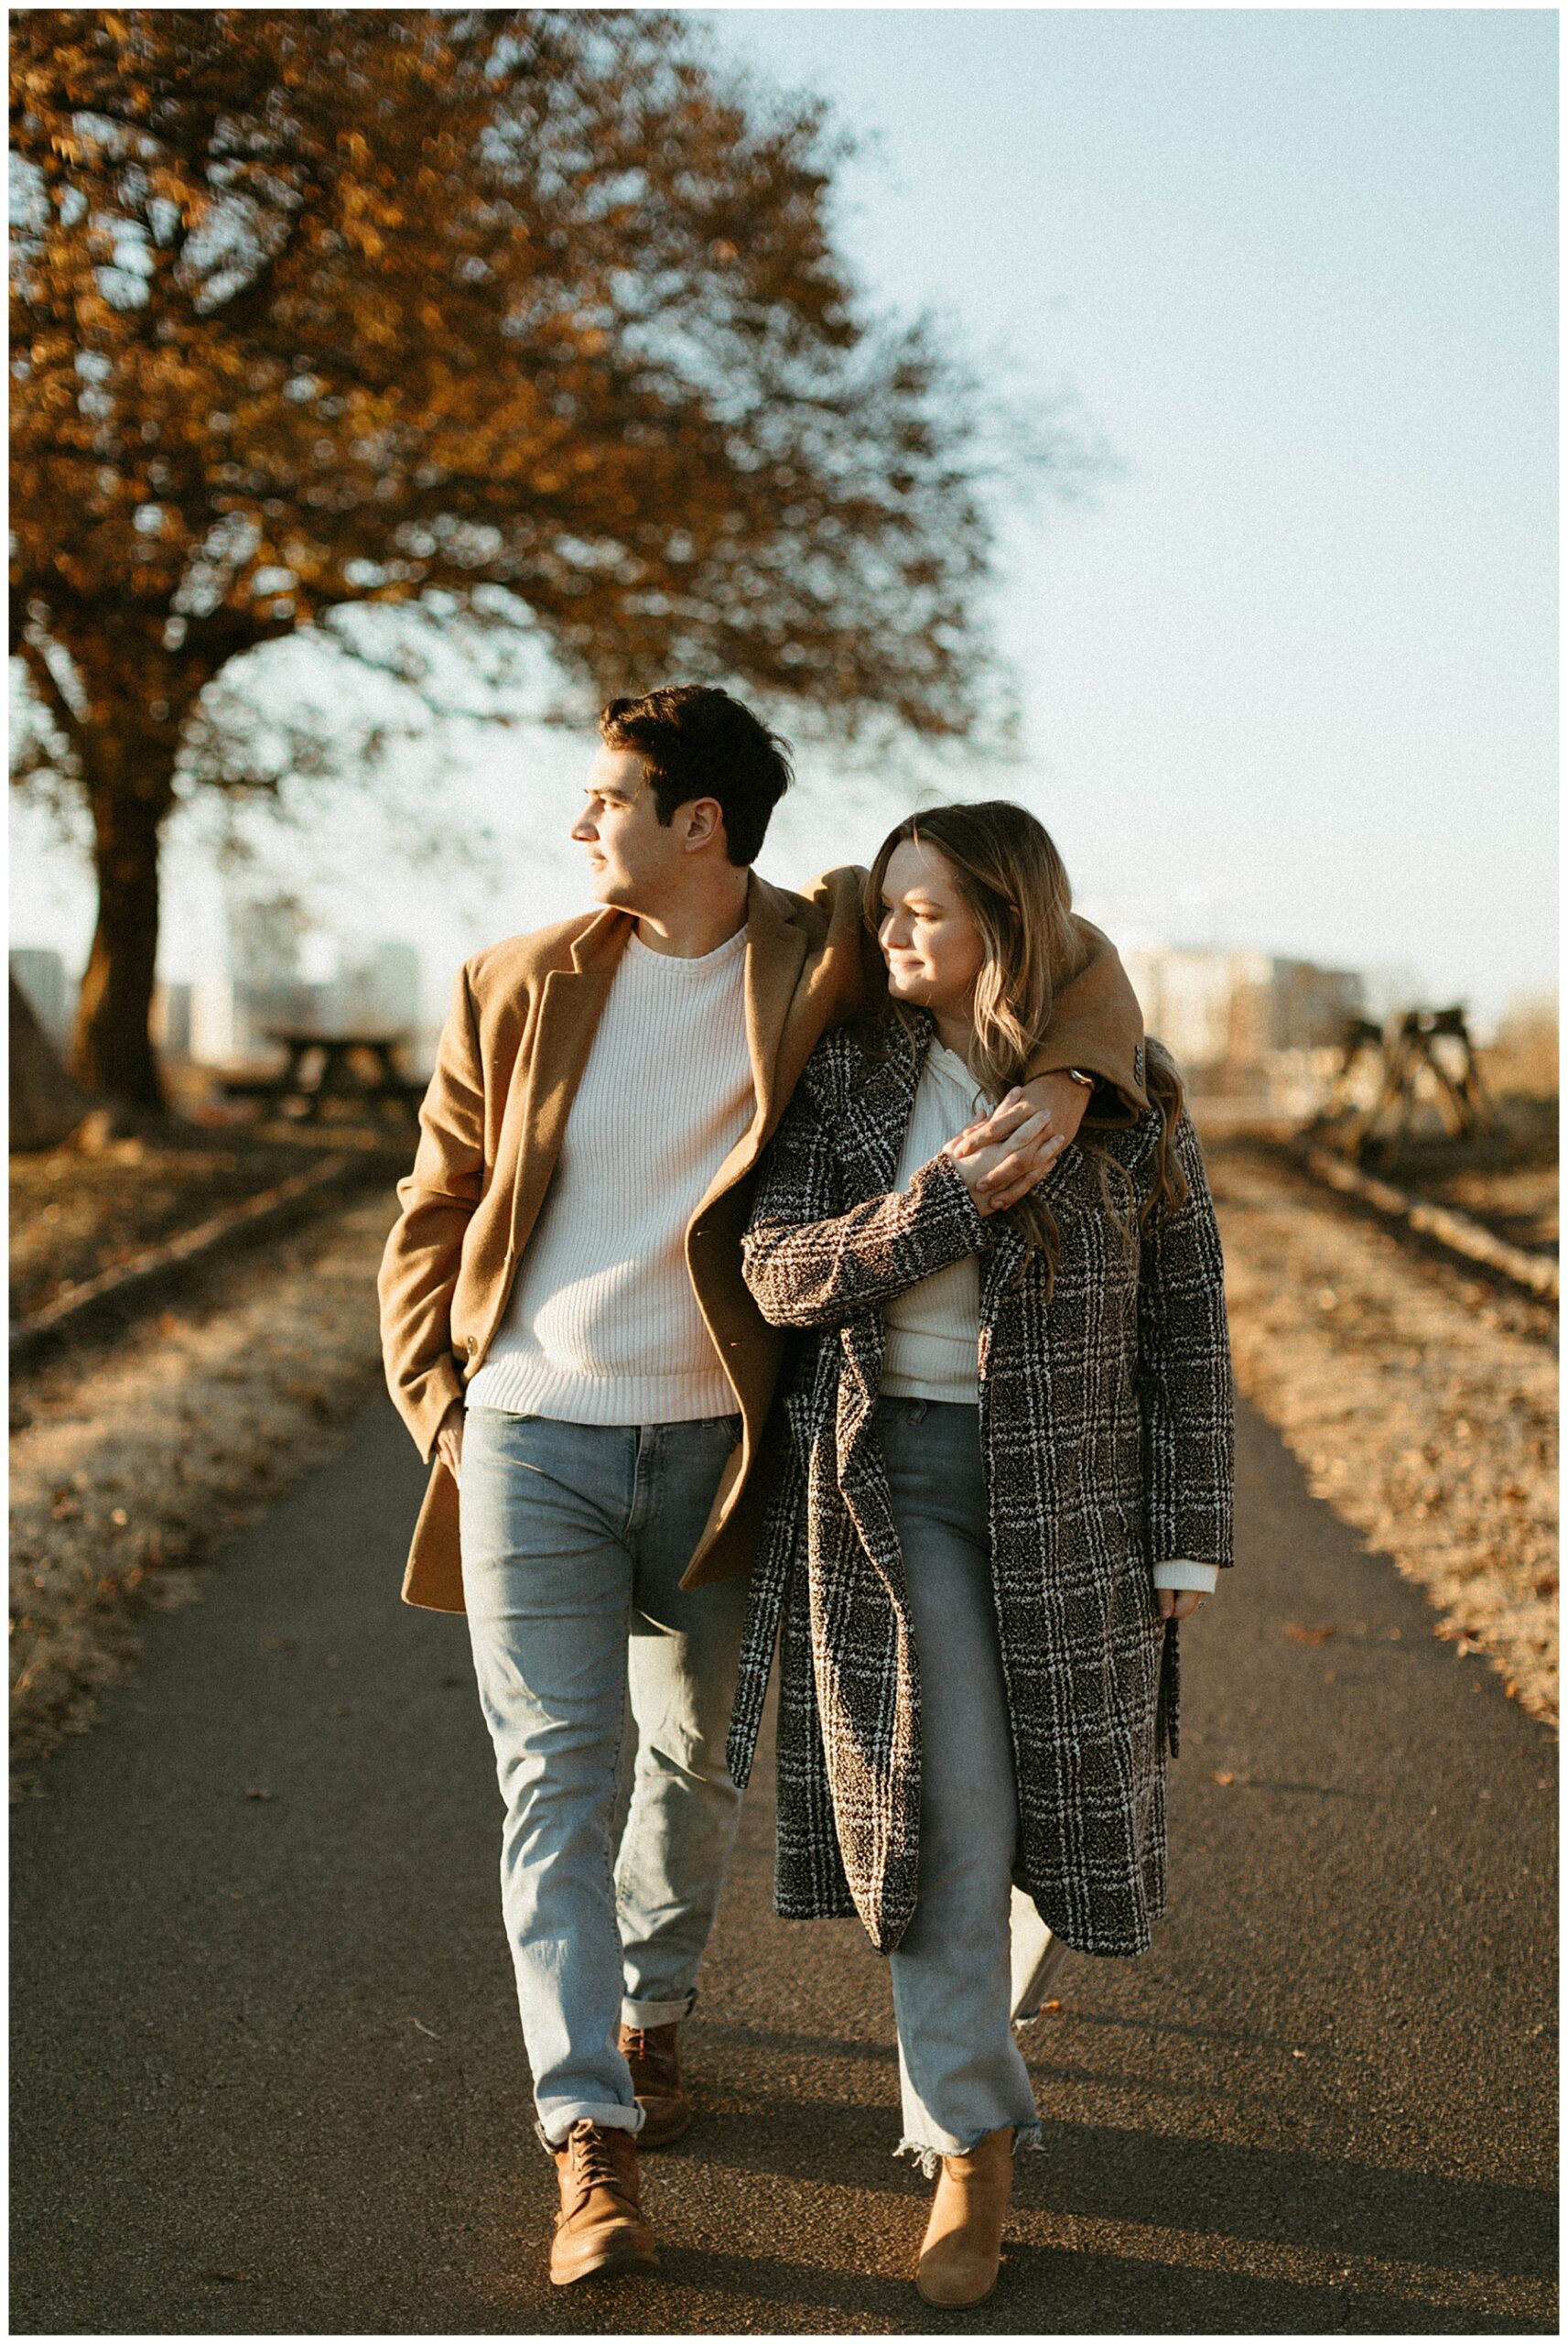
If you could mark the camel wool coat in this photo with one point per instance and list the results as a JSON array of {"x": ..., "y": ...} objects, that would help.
[
  {"x": 516, "y": 1039},
  {"x": 1106, "y": 1420}
]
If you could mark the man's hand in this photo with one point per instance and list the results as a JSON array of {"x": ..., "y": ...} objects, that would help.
[
  {"x": 1179, "y": 1602},
  {"x": 1055, "y": 1106},
  {"x": 450, "y": 1441},
  {"x": 1000, "y": 1157},
  {"x": 1063, "y": 1103}
]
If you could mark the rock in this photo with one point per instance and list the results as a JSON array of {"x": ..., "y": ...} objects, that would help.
[{"x": 47, "y": 1106}]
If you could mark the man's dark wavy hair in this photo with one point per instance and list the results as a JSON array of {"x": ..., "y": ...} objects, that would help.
[{"x": 696, "y": 741}]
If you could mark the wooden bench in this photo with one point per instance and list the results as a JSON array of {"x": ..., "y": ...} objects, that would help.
[{"x": 336, "y": 1063}]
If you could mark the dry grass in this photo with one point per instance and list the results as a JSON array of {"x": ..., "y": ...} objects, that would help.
[
  {"x": 1506, "y": 1179},
  {"x": 134, "y": 1457},
  {"x": 77, "y": 1211},
  {"x": 1522, "y": 1062},
  {"x": 1421, "y": 1400}
]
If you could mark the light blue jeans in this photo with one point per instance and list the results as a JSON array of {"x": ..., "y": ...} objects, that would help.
[
  {"x": 959, "y": 2066},
  {"x": 574, "y": 1541}
]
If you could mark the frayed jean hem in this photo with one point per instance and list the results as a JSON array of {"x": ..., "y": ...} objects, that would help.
[{"x": 1024, "y": 2137}]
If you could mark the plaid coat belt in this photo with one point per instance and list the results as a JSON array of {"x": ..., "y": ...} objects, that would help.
[{"x": 1107, "y": 1433}]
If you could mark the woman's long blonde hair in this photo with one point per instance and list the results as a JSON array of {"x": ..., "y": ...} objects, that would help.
[{"x": 1015, "y": 887}]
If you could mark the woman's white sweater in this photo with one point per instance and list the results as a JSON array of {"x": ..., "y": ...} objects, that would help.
[{"x": 932, "y": 1328}]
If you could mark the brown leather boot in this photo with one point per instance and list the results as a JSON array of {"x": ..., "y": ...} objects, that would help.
[
  {"x": 600, "y": 2225},
  {"x": 961, "y": 2254},
  {"x": 653, "y": 2054}
]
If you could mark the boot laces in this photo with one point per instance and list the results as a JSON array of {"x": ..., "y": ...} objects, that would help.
[{"x": 590, "y": 2155}]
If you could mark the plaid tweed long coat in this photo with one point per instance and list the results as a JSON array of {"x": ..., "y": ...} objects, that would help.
[{"x": 1107, "y": 1432}]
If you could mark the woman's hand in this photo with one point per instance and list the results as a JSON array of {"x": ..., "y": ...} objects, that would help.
[
  {"x": 1005, "y": 1153},
  {"x": 1179, "y": 1602}
]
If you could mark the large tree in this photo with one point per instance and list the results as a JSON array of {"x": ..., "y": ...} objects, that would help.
[{"x": 503, "y": 312}]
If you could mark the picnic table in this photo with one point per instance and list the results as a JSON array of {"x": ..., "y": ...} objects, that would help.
[{"x": 345, "y": 1072}]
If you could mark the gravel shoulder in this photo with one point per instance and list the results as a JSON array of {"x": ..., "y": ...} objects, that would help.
[{"x": 1421, "y": 1400}]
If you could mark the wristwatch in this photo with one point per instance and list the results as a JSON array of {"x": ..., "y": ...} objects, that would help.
[{"x": 1076, "y": 1074}]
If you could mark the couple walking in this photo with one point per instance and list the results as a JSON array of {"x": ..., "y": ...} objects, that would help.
[{"x": 833, "y": 1277}]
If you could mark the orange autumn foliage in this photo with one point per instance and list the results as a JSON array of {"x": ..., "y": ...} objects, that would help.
[{"x": 319, "y": 307}]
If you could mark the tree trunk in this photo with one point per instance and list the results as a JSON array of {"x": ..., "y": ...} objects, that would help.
[
  {"x": 125, "y": 727},
  {"x": 112, "y": 1049}
]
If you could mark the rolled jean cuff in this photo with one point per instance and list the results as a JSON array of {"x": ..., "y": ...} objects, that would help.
[
  {"x": 645, "y": 2015},
  {"x": 614, "y": 2115}
]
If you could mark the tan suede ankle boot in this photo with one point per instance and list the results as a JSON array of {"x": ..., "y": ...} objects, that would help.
[
  {"x": 600, "y": 2226},
  {"x": 653, "y": 2054},
  {"x": 961, "y": 2254}
]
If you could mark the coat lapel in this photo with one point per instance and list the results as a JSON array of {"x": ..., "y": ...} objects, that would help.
[
  {"x": 569, "y": 1011},
  {"x": 776, "y": 947},
  {"x": 870, "y": 1721},
  {"x": 885, "y": 1106}
]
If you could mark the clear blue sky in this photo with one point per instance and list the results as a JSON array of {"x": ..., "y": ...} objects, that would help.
[{"x": 1289, "y": 680}]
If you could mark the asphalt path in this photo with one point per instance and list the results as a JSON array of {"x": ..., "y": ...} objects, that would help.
[{"x": 266, "y": 2077}]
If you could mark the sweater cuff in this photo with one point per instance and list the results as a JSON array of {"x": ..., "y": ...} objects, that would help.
[{"x": 1204, "y": 1577}]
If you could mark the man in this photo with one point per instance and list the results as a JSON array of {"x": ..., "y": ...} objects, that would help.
[{"x": 569, "y": 1339}]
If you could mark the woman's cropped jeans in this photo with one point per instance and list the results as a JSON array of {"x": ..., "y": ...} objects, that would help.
[
  {"x": 960, "y": 2067},
  {"x": 574, "y": 1541}
]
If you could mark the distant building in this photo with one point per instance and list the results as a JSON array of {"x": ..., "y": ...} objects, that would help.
[
  {"x": 266, "y": 990},
  {"x": 214, "y": 1027},
  {"x": 234, "y": 1017},
  {"x": 264, "y": 937},
  {"x": 1310, "y": 1006},
  {"x": 172, "y": 1019},
  {"x": 377, "y": 994},
  {"x": 1244, "y": 1021},
  {"x": 51, "y": 994}
]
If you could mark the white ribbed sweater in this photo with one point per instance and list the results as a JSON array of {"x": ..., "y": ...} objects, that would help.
[
  {"x": 603, "y": 1326},
  {"x": 933, "y": 1328}
]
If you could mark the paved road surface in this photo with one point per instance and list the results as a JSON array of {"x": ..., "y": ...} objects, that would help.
[{"x": 267, "y": 2078}]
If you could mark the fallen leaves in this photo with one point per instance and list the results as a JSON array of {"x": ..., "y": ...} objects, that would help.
[{"x": 1317, "y": 1635}]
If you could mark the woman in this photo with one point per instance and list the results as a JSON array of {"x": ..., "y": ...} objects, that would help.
[{"x": 1008, "y": 1475}]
